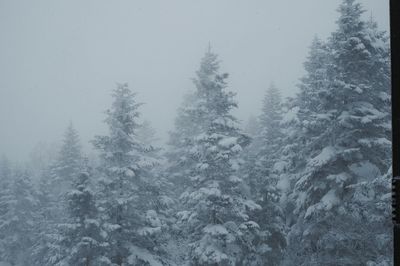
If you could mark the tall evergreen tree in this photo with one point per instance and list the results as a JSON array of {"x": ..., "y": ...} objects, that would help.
[
  {"x": 54, "y": 182},
  {"x": 265, "y": 175},
  {"x": 261, "y": 159},
  {"x": 302, "y": 124},
  {"x": 266, "y": 142},
  {"x": 348, "y": 143},
  {"x": 188, "y": 124},
  {"x": 216, "y": 210},
  {"x": 69, "y": 161},
  {"x": 82, "y": 241},
  {"x": 17, "y": 210},
  {"x": 128, "y": 219}
]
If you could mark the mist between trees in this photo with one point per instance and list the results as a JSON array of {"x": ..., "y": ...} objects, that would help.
[{"x": 307, "y": 182}]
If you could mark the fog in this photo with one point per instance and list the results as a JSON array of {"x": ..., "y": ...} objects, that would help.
[{"x": 60, "y": 60}]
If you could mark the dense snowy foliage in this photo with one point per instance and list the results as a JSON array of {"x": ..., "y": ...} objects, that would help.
[
  {"x": 305, "y": 182},
  {"x": 345, "y": 119}
]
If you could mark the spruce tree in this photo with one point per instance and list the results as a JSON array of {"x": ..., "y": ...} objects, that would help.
[
  {"x": 125, "y": 189},
  {"x": 262, "y": 171},
  {"x": 69, "y": 161},
  {"x": 348, "y": 145},
  {"x": 188, "y": 124},
  {"x": 216, "y": 210},
  {"x": 17, "y": 216},
  {"x": 54, "y": 182},
  {"x": 82, "y": 241},
  {"x": 267, "y": 142},
  {"x": 265, "y": 177}
]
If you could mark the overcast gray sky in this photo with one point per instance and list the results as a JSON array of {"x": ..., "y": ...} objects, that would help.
[{"x": 59, "y": 60}]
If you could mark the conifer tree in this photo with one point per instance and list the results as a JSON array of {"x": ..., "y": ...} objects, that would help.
[
  {"x": 126, "y": 191},
  {"x": 348, "y": 146},
  {"x": 216, "y": 210},
  {"x": 53, "y": 184},
  {"x": 188, "y": 124},
  {"x": 69, "y": 161},
  {"x": 82, "y": 241},
  {"x": 262, "y": 177},
  {"x": 267, "y": 141},
  {"x": 17, "y": 215},
  {"x": 46, "y": 249}
]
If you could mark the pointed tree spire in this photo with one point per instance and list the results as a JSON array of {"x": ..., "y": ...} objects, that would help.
[{"x": 126, "y": 190}]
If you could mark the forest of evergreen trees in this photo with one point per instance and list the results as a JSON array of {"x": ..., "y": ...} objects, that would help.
[{"x": 307, "y": 182}]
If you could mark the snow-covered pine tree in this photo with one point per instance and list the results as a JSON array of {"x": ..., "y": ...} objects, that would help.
[
  {"x": 188, "y": 124},
  {"x": 301, "y": 124},
  {"x": 82, "y": 240},
  {"x": 177, "y": 168},
  {"x": 216, "y": 210},
  {"x": 313, "y": 85},
  {"x": 290, "y": 157},
  {"x": 69, "y": 161},
  {"x": 46, "y": 249},
  {"x": 348, "y": 146},
  {"x": 126, "y": 192},
  {"x": 147, "y": 135},
  {"x": 263, "y": 180},
  {"x": 267, "y": 141},
  {"x": 56, "y": 177},
  {"x": 17, "y": 210},
  {"x": 163, "y": 206},
  {"x": 250, "y": 153}
]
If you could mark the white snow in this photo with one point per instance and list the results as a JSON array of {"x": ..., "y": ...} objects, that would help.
[
  {"x": 149, "y": 231},
  {"x": 234, "y": 164},
  {"x": 291, "y": 116},
  {"x": 235, "y": 179},
  {"x": 279, "y": 167},
  {"x": 211, "y": 191},
  {"x": 249, "y": 225},
  {"x": 215, "y": 230},
  {"x": 138, "y": 253},
  {"x": 283, "y": 183},
  {"x": 209, "y": 254},
  {"x": 326, "y": 155},
  {"x": 330, "y": 199},
  {"x": 338, "y": 178},
  {"x": 384, "y": 96},
  {"x": 326, "y": 203},
  {"x": 251, "y": 205},
  {"x": 228, "y": 142},
  {"x": 152, "y": 218},
  {"x": 203, "y": 193},
  {"x": 365, "y": 170},
  {"x": 202, "y": 166},
  {"x": 358, "y": 90},
  {"x": 129, "y": 173},
  {"x": 237, "y": 148}
]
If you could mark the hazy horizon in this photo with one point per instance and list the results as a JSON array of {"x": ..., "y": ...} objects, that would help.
[{"x": 60, "y": 60}]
